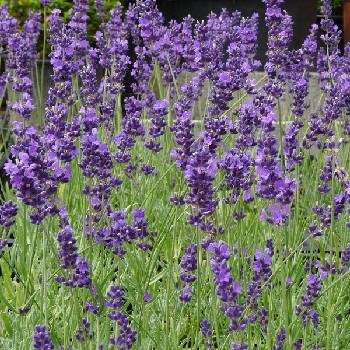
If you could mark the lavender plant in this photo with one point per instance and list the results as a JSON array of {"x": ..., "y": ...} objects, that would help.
[{"x": 204, "y": 206}]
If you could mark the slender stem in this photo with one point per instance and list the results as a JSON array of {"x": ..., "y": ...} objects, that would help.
[
  {"x": 174, "y": 78},
  {"x": 199, "y": 260},
  {"x": 44, "y": 278}
]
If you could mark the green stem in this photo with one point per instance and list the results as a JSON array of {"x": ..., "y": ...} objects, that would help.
[{"x": 44, "y": 279}]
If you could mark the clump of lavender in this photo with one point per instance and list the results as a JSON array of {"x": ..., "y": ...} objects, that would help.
[
  {"x": 41, "y": 339},
  {"x": 188, "y": 266}
]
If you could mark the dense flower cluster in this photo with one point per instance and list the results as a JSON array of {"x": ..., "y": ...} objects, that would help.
[{"x": 35, "y": 175}]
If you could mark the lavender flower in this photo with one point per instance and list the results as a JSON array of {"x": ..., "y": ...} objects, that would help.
[
  {"x": 8, "y": 26},
  {"x": 188, "y": 265},
  {"x": 21, "y": 54},
  {"x": 238, "y": 174},
  {"x": 200, "y": 173},
  {"x": 261, "y": 275},
  {"x": 298, "y": 344},
  {"x": 78, "y": 269},
  {"x": 83, "y": 333},
  {"x": 8, "y": 212},
  {"x": 280, "y": 338},
  {"x": 92, "y": 307},
  {"x": 45, "y": 2},
  {"x": 4, "y": 243},
  {"x": 41, "y": 339},
  {"x": 147, "y": 297},
  {"x": 308, "y": 300},
  {"x": 206, "y": 330},
  {"x": 120, "y": 232},
  {"x": 226, "y": 288},
  {"x": 127, "y": 336},
  {"x": 35, "y": 175},
  {"x": 100, "y": 9},
  {"x": 235, "y": 346},
  {"x": 158, "y": 111}
]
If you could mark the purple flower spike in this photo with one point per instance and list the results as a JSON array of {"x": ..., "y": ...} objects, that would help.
[
  {"x": 188, "y": 265},
  {"x": 83, "y": 333},
  {"x": 8, "y": 211},
  {"x": 115, "y": 298},
  {"x": 41, "y": 339},
  {"x": 308, "y": 300},
  {"x": 235, "y": 346},
  {"x": 207, "y": 333},
  {"x": 281, "y": 336},
  {"x": 127, "y": 336},
  {"x": 186, "y": 295}
]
